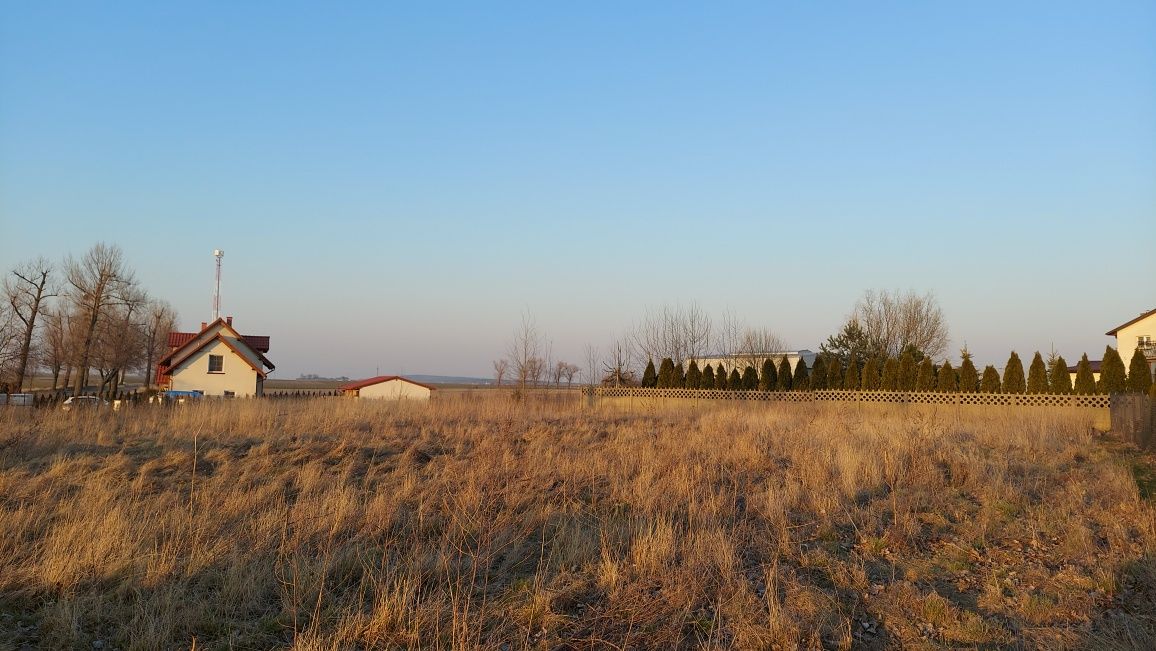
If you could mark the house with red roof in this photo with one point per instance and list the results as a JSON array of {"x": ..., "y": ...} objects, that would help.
[
  {"x": 390, "y": 387},
  {"x": 216, "y": 361}
]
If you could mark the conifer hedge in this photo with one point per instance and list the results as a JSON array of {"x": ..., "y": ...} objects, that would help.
[
  {"x": 1139, "y": 374},
  {"x": 1013, "y": 375},
  {"x": 1059, "y": 379},
  {"x": 768, "y": 378},
  {"x": 1037, "y": 375},
  {"x": 1112, "y": 378}
]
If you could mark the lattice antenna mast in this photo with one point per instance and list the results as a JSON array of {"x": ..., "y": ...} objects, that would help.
[{"x": 218, "y": 254}]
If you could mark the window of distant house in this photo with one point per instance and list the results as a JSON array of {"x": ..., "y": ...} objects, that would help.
[
  {"x": 216, "y": 363},
  {"x": 230, "y": 394}
]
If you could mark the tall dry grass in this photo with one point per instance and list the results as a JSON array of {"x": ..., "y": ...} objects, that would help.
[{"x": 334, "y": 524}]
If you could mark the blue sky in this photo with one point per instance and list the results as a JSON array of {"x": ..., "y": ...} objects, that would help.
[{"x": 394, "y": 186}]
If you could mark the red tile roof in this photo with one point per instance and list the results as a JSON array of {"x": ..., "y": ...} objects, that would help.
[
  {"x": 259, "y": 343},
  {"x": 361, "y": 384}
]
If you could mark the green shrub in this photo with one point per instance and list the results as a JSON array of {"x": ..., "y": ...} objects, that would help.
[
  {"x": 768, "y": 378},
  {"x": 1085, "y": 384},
  {"x": 990, "y": 381},
  {"x": 1059, "y": 378},
  {"x": 649, "y": 377},
  {"x": 1037, "y": 375},
  {"x": 1139, "y": 374},
  {"x": 801, "y": 381},
  {"x": 1013, "y": 375},
  {"x": 784, "y": 378},
  {"x": 693, "y": 376}
]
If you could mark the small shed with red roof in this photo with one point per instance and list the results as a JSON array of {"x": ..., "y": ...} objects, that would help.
[{"x": 390, "y": 387}]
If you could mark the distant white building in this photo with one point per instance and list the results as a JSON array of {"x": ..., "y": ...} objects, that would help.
[
  {"x": 388, "y": 387},
  {"x": 743, "y": 360}
]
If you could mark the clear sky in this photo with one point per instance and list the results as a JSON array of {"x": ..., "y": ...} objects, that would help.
[{"x": 394, "y": 184}]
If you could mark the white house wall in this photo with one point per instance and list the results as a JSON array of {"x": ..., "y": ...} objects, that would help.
[
  {"x": 395, "y": 390},
  {"x": 1126, "y": 338},
  {"x": 236, "y": 376}
]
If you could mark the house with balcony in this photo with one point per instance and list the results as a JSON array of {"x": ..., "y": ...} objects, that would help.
[{"x": 1139, "y": 334}]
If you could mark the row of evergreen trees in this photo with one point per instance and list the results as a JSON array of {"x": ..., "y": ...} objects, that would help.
[{"x": 911, "y": 372}]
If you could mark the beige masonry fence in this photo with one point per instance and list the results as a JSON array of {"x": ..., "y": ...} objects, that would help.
[{"x": 1131, "y": 416}]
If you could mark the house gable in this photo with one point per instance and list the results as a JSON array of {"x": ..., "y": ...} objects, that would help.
[{"x": 242, "y": 368}]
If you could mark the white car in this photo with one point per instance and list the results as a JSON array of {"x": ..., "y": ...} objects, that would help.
[{"x": 83, "y": 402}]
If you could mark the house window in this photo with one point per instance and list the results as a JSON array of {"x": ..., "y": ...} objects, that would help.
[
  {"x": 216, "y": 363},
  {"x": 230, "y": 394}
]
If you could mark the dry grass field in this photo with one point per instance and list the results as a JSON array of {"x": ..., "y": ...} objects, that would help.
[{"x": 484, "y": 523}]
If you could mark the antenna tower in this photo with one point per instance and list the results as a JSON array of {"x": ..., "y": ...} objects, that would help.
[{"x": 218, "y": 254}]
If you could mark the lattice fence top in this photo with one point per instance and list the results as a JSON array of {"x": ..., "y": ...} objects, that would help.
[{"x": 882, "y": 397}]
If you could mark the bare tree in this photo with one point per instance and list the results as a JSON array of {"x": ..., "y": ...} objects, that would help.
[
  {"x": 121, "y": 342},
  {"x": 895, "y": 320},
  {"x": 97, "y": 281},
  {"x": 593, "y": 363},
  {"x": 617, "y": 369},
  {"x": 728, "y": 336},
  {"x": 160, "y": 320},
  {"x": 55, "y": 343},
  {"x": 756, "y": 345},
  {"x": 525, "y": 353},
  {"x": 567, "y": 370},
  {"x": 26, "y": 289},
  {"x": 9, "y": 345},
  {"x": 680, "y": 333},
  {"x": 500, "y": 368}
]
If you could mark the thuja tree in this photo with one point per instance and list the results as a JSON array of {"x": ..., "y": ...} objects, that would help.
[
  {"x": 649, "y": 377},
  {"x": 819, "y": 374},
  {"x": 945, "y": 381},
  {"x": 968, "y": 376},
  {"x": 784, "y": 377},
  {"x": 1013, "y": 375},
  {"x": 783, "y": 382},
  {"x": 735, "y": 381},
  {"x": 707, "y": 379},
  {"x": 750, "y": 379},
  {"x": 834, "y": 373},
  {"x": 768, "y": 378},
  {"x": 908, "y": 371},
  {"x": 1112, "y": 379},
  {"x": 801, "y": 380},
  {"x": 890, "y": 380},
  {"x": 990, "y": 381},
  {"x": 679, "y": 377},
  {"x": 1037, "y": 375},
  {"x": 666, "y": 373},
  {"x": 871, "y": 375},
  {"x": 1059, "y": 379},
  {"x": 693, "y": 376},
  {"x": 1139, "y": 375},
  {"x": 925, "y": 378},
  {"x": 1085, "y": 384},
  {"x": 851, "y": 376}
]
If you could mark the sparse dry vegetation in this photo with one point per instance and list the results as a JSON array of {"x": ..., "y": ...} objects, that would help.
[{"x": 334, "y": 524}]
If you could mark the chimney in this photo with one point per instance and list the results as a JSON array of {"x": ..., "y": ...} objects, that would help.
[
  {"x": 229, "y": 320},
  {"x": 204, "y": 325}
]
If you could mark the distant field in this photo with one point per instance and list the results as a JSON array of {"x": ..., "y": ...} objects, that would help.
[{"x": 477, "y": 521}]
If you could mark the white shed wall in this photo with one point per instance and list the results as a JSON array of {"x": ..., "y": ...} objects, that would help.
[{"x": 395, "y": 390}]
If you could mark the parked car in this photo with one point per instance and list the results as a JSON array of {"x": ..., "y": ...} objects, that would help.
[{"x": 83, "y": 402}]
